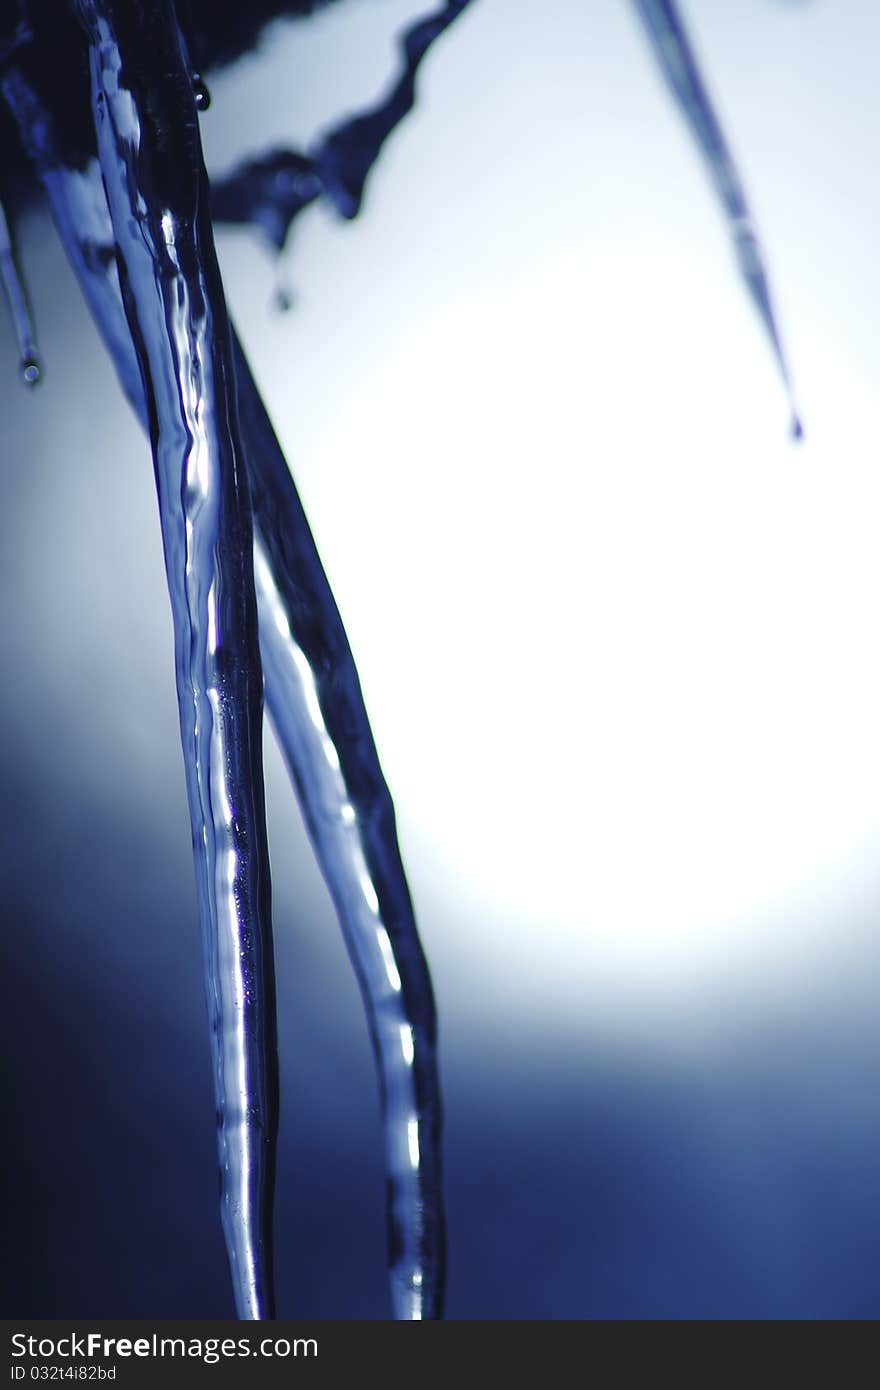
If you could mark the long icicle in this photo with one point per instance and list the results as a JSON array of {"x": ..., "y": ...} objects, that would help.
[
  {"x": 157, "y": 194},
  {"x": 28, "y": 355},
  {"x": 306, "y": 658},
  {"x": 318, "y": 712},
  {"x": 678, "y": 64}
]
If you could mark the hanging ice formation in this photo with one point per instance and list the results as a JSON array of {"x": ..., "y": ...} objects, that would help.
[{"x": 129, "y": 197}]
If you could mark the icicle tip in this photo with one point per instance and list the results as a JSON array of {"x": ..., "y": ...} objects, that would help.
[{"x": 31, "y": 371}]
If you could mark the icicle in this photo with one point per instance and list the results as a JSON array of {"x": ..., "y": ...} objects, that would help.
[
  {"x": 272, "y": 191},
  {"x": 309, "y": 672},
  {"x": 156, "y": 186},
  {"x": 678, "y": 64},
  {"x": 318, "y": 713},
  {"x": 269, "y": 193},
  {"x": 29, "y": 357},
  {"x": 201, "y": 95},
  {"x": 78, "y": 204},
  {"x": 347, "y": 155}
]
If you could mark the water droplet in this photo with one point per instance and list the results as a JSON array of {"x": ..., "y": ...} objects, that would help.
[
  {"x": 200, "y": 92},
  {"x": 31, "y": 371},
  {"x": 797, "y": 429},
  {"x": 18, "y": 304},
  {"x": 283, "y": 299}
]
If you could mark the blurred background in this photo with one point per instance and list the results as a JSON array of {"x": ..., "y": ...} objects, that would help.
[{"x": 617, "y": 636}]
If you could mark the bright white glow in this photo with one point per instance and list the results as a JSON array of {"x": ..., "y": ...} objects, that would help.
[
  {"x": 346, "y": 812},
  {"x": 229, "y": 861},
  {"x": 222, "y": 805},
  {"x": 279, "y": 617},
  {"x": 263, "y": 574},
  {"x": 406, "y": 1044},
  {"x": 682, "y": 667},
  {"x": 309, "y": 689},
  {"x": 369, "y": 892},
  {"x": 388, "y": 959},
  {"x": 268, "y": 595},
  {"x": 270, "y": 599},
  {"x": 412, "y": 1138},
  {"x": 359, "y": 866},
  {"x": 212, "y": 619}
]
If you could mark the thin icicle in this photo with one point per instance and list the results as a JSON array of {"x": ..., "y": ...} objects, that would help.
[
  {"x": 78, "y": 204},
  {"x": 678, "y": 64},
  {"x": 156, "y": 190},
  {"x": 347, "y": 155},
  {"x": 201, "y": 94},
  {"x": 28, "y": 354},
  {"x": 318, "y": 712},
  {"x": 316, "y": 705},
  {"x": 272, "y": 191}
]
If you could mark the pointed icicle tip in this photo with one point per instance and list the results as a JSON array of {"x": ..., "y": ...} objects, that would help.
[
  {"x": 31, "y": 371},
  {"x": 200, "y": 92},
  {"x": 681, "y": 72},
  {"x": 29, "y": 361}
]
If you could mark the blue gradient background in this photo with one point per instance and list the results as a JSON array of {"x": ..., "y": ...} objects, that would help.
[{"x": 618, "y": 640}]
